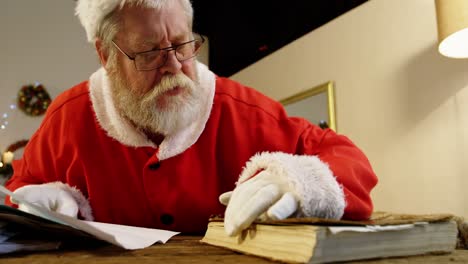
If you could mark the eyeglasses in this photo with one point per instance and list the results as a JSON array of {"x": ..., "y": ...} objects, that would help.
[{"x": 156, "y": 58}]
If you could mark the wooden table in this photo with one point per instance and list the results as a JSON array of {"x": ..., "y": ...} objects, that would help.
[{"x": 184, "y": 249}]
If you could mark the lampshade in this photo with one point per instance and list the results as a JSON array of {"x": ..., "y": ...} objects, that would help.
[{"x": 452, "y": 25}]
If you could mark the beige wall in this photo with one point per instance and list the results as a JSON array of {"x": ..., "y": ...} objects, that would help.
[
  {"x": 404, "y": 104},
  {"x": 40, "y": 41}
]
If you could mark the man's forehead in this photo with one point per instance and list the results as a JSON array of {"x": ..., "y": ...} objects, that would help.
[{"x": 146, "y": 26}]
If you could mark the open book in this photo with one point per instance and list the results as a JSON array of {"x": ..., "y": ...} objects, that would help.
[
  {"x": 14, "y": 223},
  {"x": 314, "y": 240}
]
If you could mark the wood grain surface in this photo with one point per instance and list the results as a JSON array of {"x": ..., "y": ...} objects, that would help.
[{"x": 184, "y": 249}]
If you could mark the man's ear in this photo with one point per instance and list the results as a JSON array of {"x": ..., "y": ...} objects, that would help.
[{"x": 102, "y": 53}]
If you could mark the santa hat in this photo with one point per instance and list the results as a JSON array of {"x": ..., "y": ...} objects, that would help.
[{"x": 92, "y": 12}]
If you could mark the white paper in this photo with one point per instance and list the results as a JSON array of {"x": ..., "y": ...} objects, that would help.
[
  {"x": 371, "y": 228},
  {"x": 131, "y": 237},
  {"x": 128, "y": 237}
]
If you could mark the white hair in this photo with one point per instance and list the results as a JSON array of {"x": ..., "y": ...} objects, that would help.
[
  {"x": 98, "y": 16},
  {"x": 109, "y": 25}
]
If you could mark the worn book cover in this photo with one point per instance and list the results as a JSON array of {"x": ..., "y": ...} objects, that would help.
[
  {"x": 49, "y": 223},
  {"x": 315, "y": 240},
  {"x": 20, "y": 231}
]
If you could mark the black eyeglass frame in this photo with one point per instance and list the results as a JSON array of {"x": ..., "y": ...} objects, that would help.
[{"x": 167, "y": 49}]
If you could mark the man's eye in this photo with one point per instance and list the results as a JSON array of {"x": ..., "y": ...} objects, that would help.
[{"x": 150, "y": 56}]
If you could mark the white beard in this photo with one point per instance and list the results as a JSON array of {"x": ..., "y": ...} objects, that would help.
[{"x": 154, "y": 111}]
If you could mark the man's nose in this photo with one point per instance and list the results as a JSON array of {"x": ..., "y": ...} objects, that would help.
[{"x": 172, "y": 65}]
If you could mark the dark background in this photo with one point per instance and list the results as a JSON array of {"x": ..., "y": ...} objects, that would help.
[{"x": 243, "y": 31}]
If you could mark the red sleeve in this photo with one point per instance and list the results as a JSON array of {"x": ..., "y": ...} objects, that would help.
[
  {"x": 44, "y": 155},
  {"x": 35, "y": 157}
]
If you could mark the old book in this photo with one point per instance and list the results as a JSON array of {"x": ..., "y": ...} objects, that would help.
[{"x": 314, "y": 240}]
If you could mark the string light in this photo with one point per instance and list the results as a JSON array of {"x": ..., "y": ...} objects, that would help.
[
  {"x": 6, "y": 157},
  {"x": 4, "y": 117}
]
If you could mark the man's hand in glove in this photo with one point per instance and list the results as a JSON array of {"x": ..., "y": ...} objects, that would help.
[
  {"x": 266, "y": 195},
  {"x": 55, "y": 196}
]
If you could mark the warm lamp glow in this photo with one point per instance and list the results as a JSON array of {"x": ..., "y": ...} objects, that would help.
[
  {"x": 452, "y": 25},
  {"x": 7, "y": 157}
]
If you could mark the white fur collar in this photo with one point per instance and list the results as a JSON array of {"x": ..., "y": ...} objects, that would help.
[{"x": 120, "y": 129}]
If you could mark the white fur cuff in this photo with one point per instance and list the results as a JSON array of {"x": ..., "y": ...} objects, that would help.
[
  {"x": 318, "y": 192},
  {"x": 83, "y": 205}
]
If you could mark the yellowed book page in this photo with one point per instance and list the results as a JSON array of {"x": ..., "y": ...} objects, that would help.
[
  {"x": 377, "y": 218},
  {"x": 293, "y": 244}
]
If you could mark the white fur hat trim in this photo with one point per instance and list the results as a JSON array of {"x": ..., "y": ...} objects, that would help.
[{"x": 92, "y": 12}]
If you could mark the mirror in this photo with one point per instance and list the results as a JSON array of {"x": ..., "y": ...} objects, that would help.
[{"x": 316, "y": 105}]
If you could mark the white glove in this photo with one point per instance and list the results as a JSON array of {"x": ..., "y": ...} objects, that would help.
[
  {"x": 57, "y": 197},
  {"x": 267, "y": 195},
  {"x": 287, "y": 184}
]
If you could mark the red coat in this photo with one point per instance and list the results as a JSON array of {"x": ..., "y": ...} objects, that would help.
[{"x": 129, "y": 185}]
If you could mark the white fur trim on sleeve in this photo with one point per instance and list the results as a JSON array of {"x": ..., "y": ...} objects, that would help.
[
  {"x": 83, "y": 204},
  {"x": 310, "y": 179}
]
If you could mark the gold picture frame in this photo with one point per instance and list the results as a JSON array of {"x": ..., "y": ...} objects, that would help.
[{"x": 316, "y": 105}]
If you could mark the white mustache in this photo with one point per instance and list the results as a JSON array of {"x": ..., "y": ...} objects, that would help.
[{"x": 166, "y": 84}]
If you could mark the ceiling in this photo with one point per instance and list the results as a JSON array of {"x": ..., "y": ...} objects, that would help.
[{"x": 241, "y": 32}]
